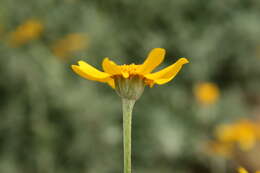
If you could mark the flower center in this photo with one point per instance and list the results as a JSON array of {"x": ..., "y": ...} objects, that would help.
[{"x": 130, "y": 69}]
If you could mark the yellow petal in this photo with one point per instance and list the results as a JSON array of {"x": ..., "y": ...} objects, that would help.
[
  {"x": 112, "y": 83},
  {"x": 165, "y": 75},
  {"x": 110, "y": 67},
  {"x": 78, "y": 70},
  {"x": 154, "y": 58},
  {"x": 242, "y": 170},
  {"x": 87, "y": 71}
]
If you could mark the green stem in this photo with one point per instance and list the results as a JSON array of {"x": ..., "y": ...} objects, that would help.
[{"x": 127, "y": 106}]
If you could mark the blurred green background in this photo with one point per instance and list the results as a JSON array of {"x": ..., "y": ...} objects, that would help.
[{"x": 53, "y": 121}]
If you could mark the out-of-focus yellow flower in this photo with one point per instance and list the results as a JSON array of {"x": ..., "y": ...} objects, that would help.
[
  {"x": 206, "y": 93},
  {"x": 243, "y": 170},
  {"x": 114, "y": 73},
  {"x": 220, "y": 148},
  {"x": 29, "y": 30},
  {"x": 70, "y": 44},
  {"x": 244, "y": 132}
]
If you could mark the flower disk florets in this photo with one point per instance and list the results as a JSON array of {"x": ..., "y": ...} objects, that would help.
[{"x": 130, "y": 69}]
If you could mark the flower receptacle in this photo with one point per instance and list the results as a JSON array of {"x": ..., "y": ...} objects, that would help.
[{"x": 129, "y": 88}]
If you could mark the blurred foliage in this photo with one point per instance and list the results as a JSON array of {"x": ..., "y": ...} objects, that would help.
[{"x": 54, "y": 121}]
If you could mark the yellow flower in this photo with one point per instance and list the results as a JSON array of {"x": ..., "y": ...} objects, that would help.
[
  {"x": 26, "y": 32},
  {"x": 244, "y": 132},
  {"x": 206, "y": 93},
  {"x": 70, "y": 44},
  {"x": 220, "y": 148},
  {"x": 113, "y": 72},
  {"x": 243, "y": 170}
]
